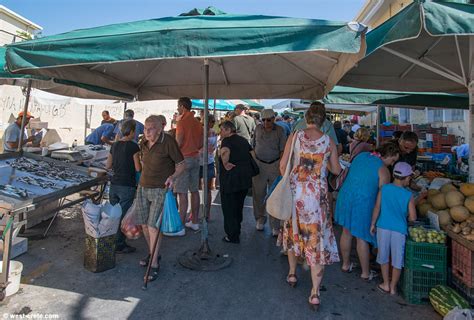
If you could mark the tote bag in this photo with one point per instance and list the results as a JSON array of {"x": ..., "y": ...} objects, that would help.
[{"x": 280, "y": 202}]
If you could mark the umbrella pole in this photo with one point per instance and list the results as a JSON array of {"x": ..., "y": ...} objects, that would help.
[
  {"x": 214, "y": 108},
  {"x": 124, "y": 109},
  {"x": 23, "y": 119},
  {"x": 377, "y": 121},
  {"x": 205, "y": 250}
]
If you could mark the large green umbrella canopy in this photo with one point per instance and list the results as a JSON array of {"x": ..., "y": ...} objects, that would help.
[
  {"x": 57, "y": 86},
  {"x": 428, "y": 47},
  {"x": 357, "y": 96},
  {"x": 249, "y": 56},
  {"x": 425, "y": 47}
]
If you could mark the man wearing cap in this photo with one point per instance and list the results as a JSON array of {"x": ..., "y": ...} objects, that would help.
[
  {"x": 244, "y": 124},
  {"x": 129, "y": 114},
  {"x": 11, "y": 136},
  {"x": 268, "y": 144}
]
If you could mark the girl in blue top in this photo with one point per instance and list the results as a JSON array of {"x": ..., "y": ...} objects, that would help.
[{"x": 394, "y": 203}]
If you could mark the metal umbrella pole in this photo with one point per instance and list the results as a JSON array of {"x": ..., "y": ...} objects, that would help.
[
  {"x": 377, "y": 121},
  {"x": 205, "y": 251},
  {"x": 204, "y": 259},
  {"x": 23, "y": 119},
  {"x": 470, "y": 119}
]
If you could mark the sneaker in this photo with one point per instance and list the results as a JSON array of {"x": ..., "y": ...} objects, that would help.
[
  {"x": 259, "y": 226},
  {"x": 175, "y": 234},
  {"x": 191, "y": 225}
]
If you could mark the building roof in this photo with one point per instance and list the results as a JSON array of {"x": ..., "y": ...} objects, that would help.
[{"x": 18, "y": 17}]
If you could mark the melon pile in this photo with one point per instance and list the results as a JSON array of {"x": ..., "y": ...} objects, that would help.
[{"x": 453, "y": 206}]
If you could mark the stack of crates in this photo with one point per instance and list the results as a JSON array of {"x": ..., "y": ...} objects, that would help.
[
  {"x": 463, "y": 270},
  {"x": 442, "y": 143},
  {"x": 425, "y": 268}
]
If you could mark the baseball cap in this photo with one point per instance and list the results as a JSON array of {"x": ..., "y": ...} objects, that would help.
[
  {"x": 402, "y": 169},
  {"x": 28, "y": 114},
  {"x": 268, "y": 113}
]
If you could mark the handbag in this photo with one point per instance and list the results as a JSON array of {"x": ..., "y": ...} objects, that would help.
[
  {"x": 280, "y": 202},
  {"x": 254, "y": 166},
  {"x": 336, "y": 181},
  {"x": 171, "y": 222}
]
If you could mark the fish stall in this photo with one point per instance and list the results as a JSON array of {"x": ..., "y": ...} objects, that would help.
[{"x": 29, "y": 181}]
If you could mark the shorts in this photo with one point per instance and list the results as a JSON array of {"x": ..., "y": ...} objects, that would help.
[
  {"x": 211, "y": 171},
  {"x": 189, "y": 179},
  {"x": 149, "y": 205},
  {"x": 391, "y": 244}
]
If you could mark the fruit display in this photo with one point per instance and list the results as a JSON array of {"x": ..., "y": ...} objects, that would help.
[
  {"x": 467, "y": 189},
  {"x": 430, "y": 175},
  {"x": 420, "y": 234},
  {"x": 444, "y": 299}
]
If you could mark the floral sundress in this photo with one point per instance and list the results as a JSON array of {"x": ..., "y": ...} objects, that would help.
[{"x": 309, "y": 233}]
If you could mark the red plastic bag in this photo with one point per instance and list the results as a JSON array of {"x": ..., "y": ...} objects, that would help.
[{"x": 129, "y": 227}]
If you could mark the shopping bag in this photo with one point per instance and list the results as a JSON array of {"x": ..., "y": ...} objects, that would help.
[
  {"x": 171, "y": 221},
  {"x": 129, "y": 227},
  {"x": 272, "y": 187},
  {"x": 280, "y": 203}
]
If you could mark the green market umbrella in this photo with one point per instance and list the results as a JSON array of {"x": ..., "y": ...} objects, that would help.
[
  {"x": 357, "y": 96},
  {"x": 240, "y": 56},
  {"x": 426, "y": 47},
  {"x": 249, "y": 56},
  {"x": 219, "y": 105}
]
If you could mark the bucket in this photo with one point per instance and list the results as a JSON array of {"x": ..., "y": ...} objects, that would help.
[{"x": 14, "y": 277}]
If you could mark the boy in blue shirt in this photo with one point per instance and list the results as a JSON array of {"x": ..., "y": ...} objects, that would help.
[{"x": 394, "y": 204}]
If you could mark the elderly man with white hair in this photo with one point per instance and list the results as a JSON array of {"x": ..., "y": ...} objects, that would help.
[
  {"x": 162, "y": 163},
  {"x": 268, "y": 144}
]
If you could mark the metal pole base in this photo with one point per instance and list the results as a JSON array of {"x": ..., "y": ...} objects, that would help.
[{"x": 203, "y": 260}]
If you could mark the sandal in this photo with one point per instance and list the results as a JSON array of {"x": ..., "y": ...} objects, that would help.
[
  {"x": 382, "y": 289},
  {"x": 153, "y": 273},
  {"x": 348, "y": 270},
  {"x": 372, "y": 275},
  {"x": 314, "y": 306},
  {"x": 292, "y": 283},
  {"x": 145, "y": 261}
]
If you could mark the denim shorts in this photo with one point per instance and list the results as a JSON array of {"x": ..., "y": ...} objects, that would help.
[
  {"x": 391, "y": 244},
  {"x": 211, "y": 171}
]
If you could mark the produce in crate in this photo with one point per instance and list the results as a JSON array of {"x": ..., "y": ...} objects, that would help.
[
  {"x": 467, "y": 189},
  {"x": 459, "y": 213},
  {"x": 420, "y": 234},
  {"x": 454, "y": 199},
  {"x": 469, "y": 204},
  {"x": 430, "y": 175},
  {"x": 448, "y": 187},
  {"x": 444, "y": 299},
  {"x": 439, "y": 202},
  {"x": 424, "y": 208},
  {"x": 444, "y": 217}
]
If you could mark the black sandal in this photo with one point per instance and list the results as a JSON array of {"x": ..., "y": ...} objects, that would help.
[
  {"x": 153, "y": 274},
  {"x": 145, "y": 261},
  {"x": 314, "y": 306}
]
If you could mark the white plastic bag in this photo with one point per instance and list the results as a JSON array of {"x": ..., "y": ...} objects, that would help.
[{"x": 459, "y": 314}]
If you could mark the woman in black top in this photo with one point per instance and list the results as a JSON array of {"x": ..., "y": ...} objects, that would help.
[
  {"x": 125, "y": 162},
  {"x": 235, "y": 178}
]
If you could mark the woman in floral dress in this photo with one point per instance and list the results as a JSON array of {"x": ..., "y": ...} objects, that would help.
[{"x": 309, "y": 233}]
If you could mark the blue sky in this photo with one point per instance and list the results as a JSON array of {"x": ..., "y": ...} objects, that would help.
[{"x": 56, "y": 16}]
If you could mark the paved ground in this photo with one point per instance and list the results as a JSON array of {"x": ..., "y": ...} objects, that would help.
[{"x": 253, "y": 287}]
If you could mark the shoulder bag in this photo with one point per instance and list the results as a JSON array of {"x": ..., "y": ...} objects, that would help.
[{"x": 280, "y": 203}]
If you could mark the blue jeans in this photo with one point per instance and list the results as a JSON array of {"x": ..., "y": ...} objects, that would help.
[{"x": 124, "y": 195}]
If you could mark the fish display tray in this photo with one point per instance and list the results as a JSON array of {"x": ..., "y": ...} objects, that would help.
[
  {"x": 35, "y": 194},
  {"x": 99, "y": 253}
]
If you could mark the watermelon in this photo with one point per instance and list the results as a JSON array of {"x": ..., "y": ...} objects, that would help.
[{"x": 444, "y": 299}]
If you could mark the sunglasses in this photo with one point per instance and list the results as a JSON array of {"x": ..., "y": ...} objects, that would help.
[{"x": 267, "y": 119}]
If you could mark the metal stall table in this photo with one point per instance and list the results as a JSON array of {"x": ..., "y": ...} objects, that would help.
[{"x": 28, "y": 182}]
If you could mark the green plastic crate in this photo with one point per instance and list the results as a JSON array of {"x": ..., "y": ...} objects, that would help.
[
  {"x": 416, "y": 284},
  {"x": 426, "y": 256}
]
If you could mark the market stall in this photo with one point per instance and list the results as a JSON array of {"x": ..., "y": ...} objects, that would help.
[{"x": 29, "y": 181}]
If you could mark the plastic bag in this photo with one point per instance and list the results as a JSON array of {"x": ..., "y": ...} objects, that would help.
[
  {"x": 110, "y": 221},
  {"x": 459, "y": 314},
  {"x": 171, "y": 221},
  {"x": 129, "y": 227}
]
